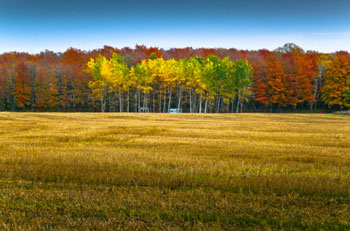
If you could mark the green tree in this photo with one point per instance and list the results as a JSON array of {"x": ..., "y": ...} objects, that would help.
[
  {"x": 242, "y": 81},
  {"x": 119, "y": 77}
]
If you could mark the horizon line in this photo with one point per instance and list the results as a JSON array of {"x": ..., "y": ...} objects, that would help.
[{"x": 163, "y": 48}]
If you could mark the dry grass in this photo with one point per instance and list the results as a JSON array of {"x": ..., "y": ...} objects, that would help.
[{"x": 174, "y": 172}]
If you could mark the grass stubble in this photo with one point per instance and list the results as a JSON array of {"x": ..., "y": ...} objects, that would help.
[{"x": 86, "y": 171}]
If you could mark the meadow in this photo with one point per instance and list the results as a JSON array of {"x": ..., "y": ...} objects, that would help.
[{"x": 119, "y": 171}]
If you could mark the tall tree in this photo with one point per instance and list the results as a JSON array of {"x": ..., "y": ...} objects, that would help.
[
  {"x": 274, "y": 87},
  {"x": 242, "y": 81},
  {"x": 336, "y": 89},
  {"x": 101, "y": 71}
]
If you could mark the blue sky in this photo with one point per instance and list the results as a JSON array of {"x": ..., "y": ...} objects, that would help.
[{"x": 35, "y": 25}]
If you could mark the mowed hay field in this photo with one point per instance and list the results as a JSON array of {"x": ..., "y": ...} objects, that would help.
[{"x": 79, "y": 171}]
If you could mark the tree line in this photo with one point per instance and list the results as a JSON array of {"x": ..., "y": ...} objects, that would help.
[
  {"x": 193, "y": 80},
  {"x": 156, "y": 85}
]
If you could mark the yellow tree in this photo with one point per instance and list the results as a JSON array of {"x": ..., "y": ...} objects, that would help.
[
  {"x": 192, "y": 70},
  {"x": 101, "y": 71},
  {"x": 183, "y": 67},
  {"x": 336, "y": 89},
  {"x": 169, "y": 74},
  {"x": 143, "y": 80},
  {"x": 155, "y": 70}
]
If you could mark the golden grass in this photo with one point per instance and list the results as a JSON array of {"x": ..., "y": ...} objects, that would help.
[{"x": 174, "y": 172}]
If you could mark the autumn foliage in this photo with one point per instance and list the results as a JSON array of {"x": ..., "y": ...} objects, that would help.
[
  {"x": 336, "y": 90},
  {"x": 194, "y": 80}
]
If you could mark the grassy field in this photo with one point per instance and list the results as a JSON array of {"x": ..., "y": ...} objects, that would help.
[{"x": 174, "y": 172}]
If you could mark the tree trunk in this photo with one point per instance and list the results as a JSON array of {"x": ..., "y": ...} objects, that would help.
[
  {"x": 120, "y": 101},
  {"x": 12, "y": 90},
  {"x": 179, "y": 98},
  {"x": 59, "y": 91},
  {"x": 191, "y": 101},
  {"x": 194, "y": 109},
  {"x": 135, "y": 101},
  {"x": 145, "y": 100},
  {"x": 102, "y": 100},
  {"x": 200, "y": 103},
  {"x": 169, "y": 105},
  {"x": 164, "y": 103},
  {"x": 228, "y": 107},
  {"x": 232, "y": 105},
  {"x": 109, "y": 102},
  {"x": 32, "y": 86},
  {"x": 153, "y": 100},
  {"x": 206, "y": 104},
  {"x": 128, "y": 98},
  {"x": 242, "y": 100},
  {"x": 159, "y": 100},
  {"x": 238, "y": 101},
  {"x": 218, "y": 105},
  {"x": 138, "y": 100},
  {"x": 316, "y": 89}
]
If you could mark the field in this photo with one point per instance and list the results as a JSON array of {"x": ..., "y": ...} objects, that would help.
[{"x": 174, "y": 172}]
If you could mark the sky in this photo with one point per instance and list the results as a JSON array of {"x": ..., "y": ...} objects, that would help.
[{"x": 36, "y": 25}]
